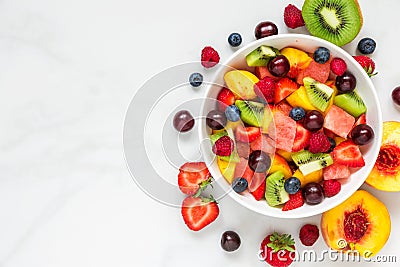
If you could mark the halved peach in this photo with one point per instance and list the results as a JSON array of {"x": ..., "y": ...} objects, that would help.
[
  {"x": 386, "y": 172},
  {"x": 361, "y": 223},
  {"x": 280, "y": 164}
]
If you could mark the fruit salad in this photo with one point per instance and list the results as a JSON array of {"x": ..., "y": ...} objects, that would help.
[{"x": 288, "y": 129}]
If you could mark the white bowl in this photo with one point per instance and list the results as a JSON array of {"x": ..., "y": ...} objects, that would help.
[{"x": 364, "y": 87}]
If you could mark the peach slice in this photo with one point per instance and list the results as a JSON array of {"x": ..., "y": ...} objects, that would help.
[
  {"x": 298, "y": 60},
  {"x": 361, "y": 223},
  {"x": 386, "y": 172},
  {"x": 280, "y": 164}
]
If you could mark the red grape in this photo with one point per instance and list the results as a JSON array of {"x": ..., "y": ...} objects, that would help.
[
  {"x": 346, "y": 83},
  {"x": 362, "y": 134},
  {"x": 183, "y": 121},
  {"x": 264, "y": 29},
  {"x": 396, "y": 95},
  {"x": 279, "y": 66},
  {"x": 313, "y": 121}
]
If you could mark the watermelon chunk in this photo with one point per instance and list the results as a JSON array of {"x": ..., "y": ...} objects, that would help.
[
  {"x": 257, "y": 182},
  {"x": 243, "y": 170},
  {"x": 285, "y": 131},
  {"x": 263, "y": 143},
  {"x": 339, "y": 121},
  {"x": 243, "y": 149},
  {"x": 336, "y": 171},
  {"x": 317, "y": 71}
]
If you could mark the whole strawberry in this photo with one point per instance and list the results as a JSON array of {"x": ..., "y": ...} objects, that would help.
[
  {"x": 278, "y": 250},
  {"x": 367, "y": 64},
  {"x": 331, "y": 187},
  {"x": 209, "y": 57},
  {"x": 309, "y": 234},
  {"x": 292, "y": 17}
]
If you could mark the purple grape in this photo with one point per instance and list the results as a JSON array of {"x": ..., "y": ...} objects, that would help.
[
  {"x": 259, "y": 161},
  {"x": 362, "y": 134},
  {"x": 346, "y": 83},
  {"x": 216, "y": 119},
  {"x": 396, "y": 95},
  {"x": 313, "y": 193},
  {"x": 265, "y": 29},
  {"x": 183, "y": 121},
  {"x": 230, "y": 241},
  {"x": 279, "y": 66},
  {"x": 313, "y": 121}
]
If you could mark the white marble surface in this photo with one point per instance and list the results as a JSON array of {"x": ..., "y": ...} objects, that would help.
[{"x": 67, "y": 72}]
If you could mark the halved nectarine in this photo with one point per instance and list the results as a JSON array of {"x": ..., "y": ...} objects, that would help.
[
  {"x": 361, "y": 223},
  {"x": 386, "y": 172}
]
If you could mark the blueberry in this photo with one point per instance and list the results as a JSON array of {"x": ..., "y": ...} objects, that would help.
[
  {"x": 322, "y": 55},
  {"x": 235, "y": 39},
  {"x": 366, "y": 46},
  {"x": 232, "y": 113},
  {"x": 195, "y": 79},
  {"x": 292, "y": 185},
  {"x": 333, "y": 144},
  {"x": 239, "y": 185},
  {"x": 297, "y": 113}
]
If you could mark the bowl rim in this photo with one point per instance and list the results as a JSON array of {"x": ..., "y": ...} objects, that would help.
[{"x": 316, "y": 210}]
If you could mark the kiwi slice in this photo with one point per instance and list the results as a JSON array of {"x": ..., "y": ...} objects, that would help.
[
  {"x": 251, "y": 112},
  {"x": 261, "y": 56},
  {"x": 351, "y": 103},
  {"x": 337, "y": 21},
  {"x": 309, "y": 162},
  {"x": 318, "y": 93},
  {"x": 275, "y": 193}
]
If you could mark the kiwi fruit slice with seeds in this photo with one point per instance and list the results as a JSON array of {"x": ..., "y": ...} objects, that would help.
[
  {"x": 261, "y": 56},
  {"x": 275, "y": 193},
  {"x": 351, "y": 103},
  {"x": 309, "y": 162},
  {"x": 318, "y": 93},
  {"x": 337, "y": 21},
  {"x": 251, "y": 112}
]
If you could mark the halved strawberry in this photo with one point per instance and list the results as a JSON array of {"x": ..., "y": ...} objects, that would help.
[
  {"x": 258, "y": 179},
  {"x": 199, "y": 212},
  {"x": 348, "y": 154},
  {"x": 284, "y": 87},
  {"x": 361, "y": 120},
  {"x": 295, "y": 201},
  {"x": 191, "y": 176},
  {"x": 225, "y": 98},
  {"x": 247, "y": 134},
  {"x": 302, "y": 138}
]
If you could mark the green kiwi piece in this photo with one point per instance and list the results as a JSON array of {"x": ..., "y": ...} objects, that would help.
[
  {"x": 318, "y": 93},
  {"x": 351, "y": 103},
  {"x": 261, "y": 56},
  {"x": 275, "y": 193},
  {"x": 251, "y": 112},
  {"x": 234, "y": 156},
  {"x": 309, "y": 162},
  {"x": 337, "y": 21}
]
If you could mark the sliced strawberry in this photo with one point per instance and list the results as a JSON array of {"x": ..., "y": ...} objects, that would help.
[
  {"x": 284, "y": 87},
  {"x": 225, "y": 98},
  {"x": 283, "y": 107},
  {"x": 258, "y": 179},
  {"x": 199, "y": 212},
  {"x": 191, "y": 176},
  {"x": 295, "y": 201},
  {"x": 348, "y": 154},
  {"x": 247, "y": 134},
  {"x": 243, "y": 170},
  {"x": 302, "y": 138}
]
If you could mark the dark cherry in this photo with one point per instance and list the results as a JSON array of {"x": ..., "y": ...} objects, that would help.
[
  {"x": 313, "y": 121},
  {"x": 230, "y": 241},
  {"x": 259, "y": 161},
  {"x": 346, "y": 83},
  {"x": 362, "y": 134},
  {"x": 313, "y": 193},
  {"x": 264, "y": 29},
  {"x": 279, "y": 66},
  {"x": 183, "y": 121},
  {"x": 216, "y": 119},
  {"x": 396, "y": 95}
]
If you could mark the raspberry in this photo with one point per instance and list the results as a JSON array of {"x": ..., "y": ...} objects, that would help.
[
  {"x": 338, "y": 66},
  {"x": 209, "y": 57},
  {"x": 292, "y": 17},
  {"x": 223, "y": 146},
  {"x": 331, "y": 187},
  {"x": 309, "y": 234},
  {"x": 265, "y": 88},
  {"x": 319, "y": 143}
]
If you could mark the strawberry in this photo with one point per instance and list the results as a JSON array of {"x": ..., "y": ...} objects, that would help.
[
  {"x": 225, "y": 98},
  {"x": 338, "y": 66},
  {"x": 247, "y": 134},
  {"x": 209, "y": 57},
  {"x": 259, "y": 193},
  {"x": 309, "y": 234},
  {"x": 278, "y": 250},
  {"x": 199, "y": 212},
  {"x": 284, "y": 87},
  {"x": 243, "y": 170},
  {"x": 367, "y": 64},
  {"x": 292, "y": 17},
  {"x": 295, "y": 201},
  {"x": 302, "y": 138},
  {"x": 192, "y": 176},
  {"x": 331, "y": 187},
  {"x": 347, "y": 153},
  {"x": 265, "y": 89}
]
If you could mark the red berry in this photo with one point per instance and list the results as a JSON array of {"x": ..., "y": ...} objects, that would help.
[
  {"x": 367, "y": 64},
  {"x": 338, "y": 66},
  {"x": 209, "y": 57},
  {"x": 265, "y": 89},
  {"x": 223, "y": 146},
  {"x": 292, "y": 17},
  {"x": 319, "y": 143},
  {"x": 331, "y": 187},
  {"x": 309, "y": 234},
  {"x": 295, "y": 201}
]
